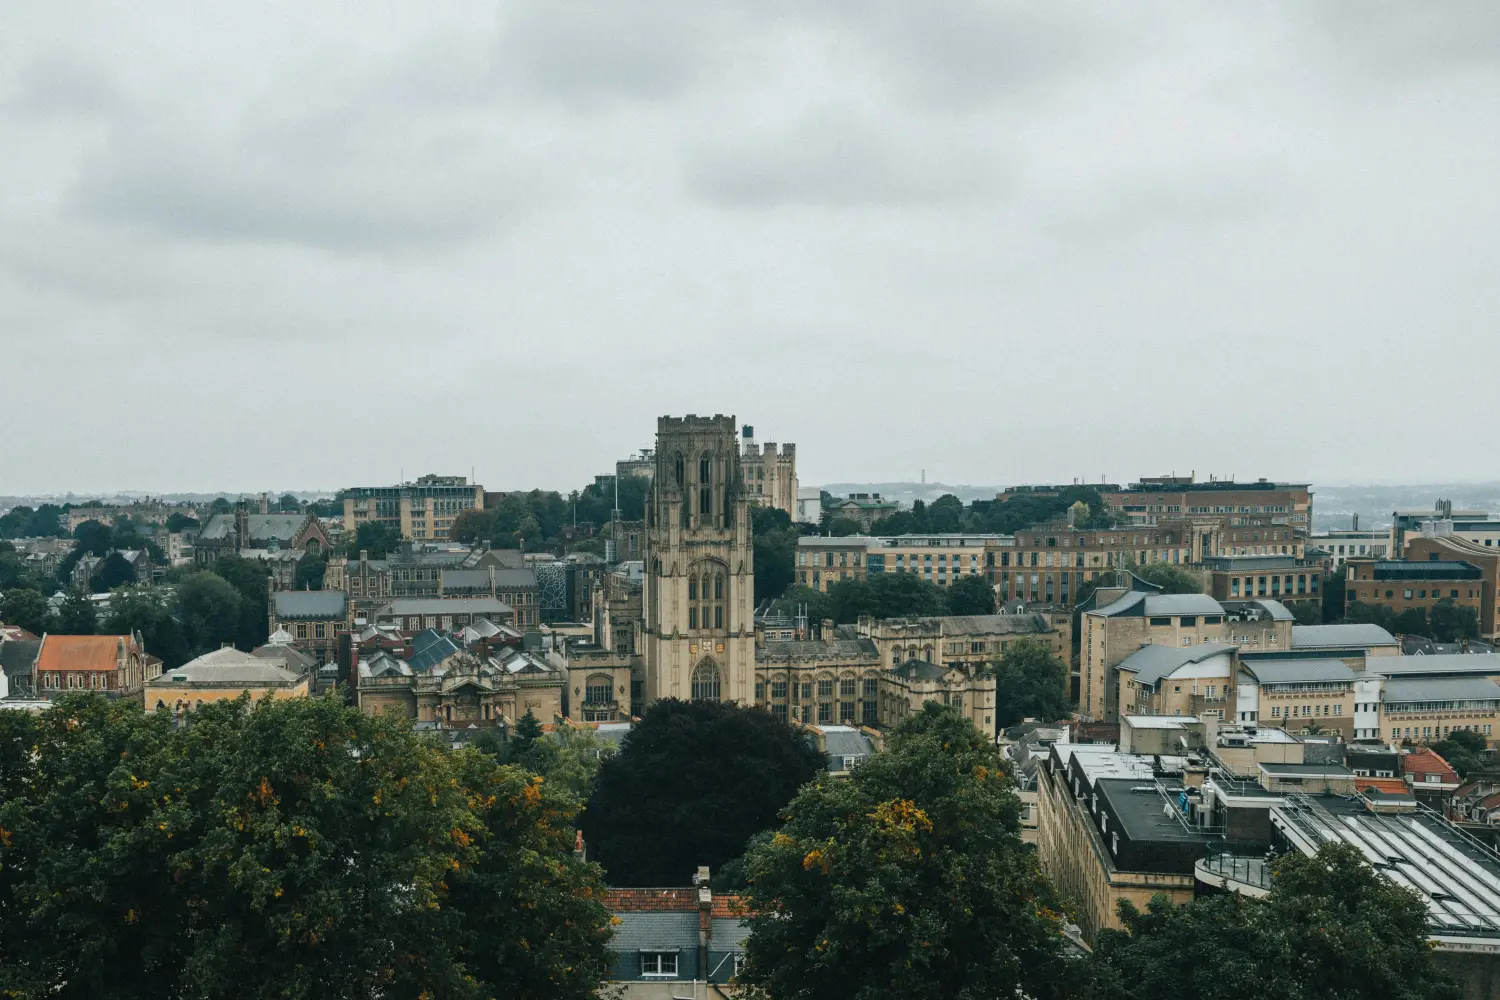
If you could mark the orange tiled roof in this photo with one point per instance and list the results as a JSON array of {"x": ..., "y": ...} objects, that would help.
[
  {"x": 1425, "y": 760},
  {"x": 668, "y": 900},
  {"x": 80, "y": 652},
  {"x": 1390, "y": 786}
]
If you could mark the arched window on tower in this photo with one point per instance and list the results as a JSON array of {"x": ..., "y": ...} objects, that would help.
[
  {"x": 677, "y": 469},
  {"x": 692, "y": 588},
  {"x": 718, "y": 586},
  {"x": 706, "y": 682}
]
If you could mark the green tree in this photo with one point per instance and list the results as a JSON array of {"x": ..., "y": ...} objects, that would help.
[
  {"x": 732, "y": 768},
  {"x": 528, "y": 731},
  {"x": 310, "y": 570},
  {"x": 946, "y": 514},
  {"x": 1306, "y": 612},
  {"x": 114, "y": 571},
  {"x": 1330, "y": 927},
  {"x": 177, "y": 522},
  {"x": 885, "y": 595},
  {"x": 1450, "y": 622},
  {"x": 340, "y": 855},
  {"x": 77, "y": 616},
  {"x": 1333, "y": 596},
  {"x": 248, "y": 577},
  {"x": 151, "y": 612},
  {"x": 1464, "y": 749},
  {"x": 971, "y": 595},
  {"x": 900, "y": 523},
  {"x": 906, "y": 879},
  {"x": 377, "y": 539},
  {"x": 93, "y": 537},
  {"x": 842, "y": 527},
  {"x": 1411, "y": 621},
  {"x": 288, "y": 504},
  {"x": 26, "y": 608},
  {"x": 1171, "y": 579},
  {"x": 1030, "y": 683},
  {"x": 221, "y": 506},
  {"x": 210, "y": 611},
  {"x": 1360, "y": 613},
  {"x": 775, "y": 546}
]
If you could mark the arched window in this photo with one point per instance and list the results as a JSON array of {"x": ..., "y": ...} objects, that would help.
[
  {"x": 718, "y": 586},
  {"x": 706, "y": 682},
  {"x": 705, "y": 470},
  {"x": 692, "y": 588},
  {"x": 677, "y": 469},
  {"x": 598, "y": 690}
]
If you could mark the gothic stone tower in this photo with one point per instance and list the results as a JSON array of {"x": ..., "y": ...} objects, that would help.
[{"x": 699, "y": 598}]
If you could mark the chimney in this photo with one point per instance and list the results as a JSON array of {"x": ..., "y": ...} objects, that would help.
[
  {"x": 705, "y": 917},
  {"x": 265, "y": 503},
  {"x": 827, "y": 631}
]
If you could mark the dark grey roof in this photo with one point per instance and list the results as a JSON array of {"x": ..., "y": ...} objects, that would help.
[
  {"x": 921, "y": 670},
  {"x": 1136, "y": 604},
  {"x": 815, "y": 649},
  {"x": 1152, "y": 663},
  {"x": 1276, "y": 610},
  {"x": 18, "y": 656},
  {"x": 510, "y": 579},
  {"x": 310, "y": 603},
  {"x": 1346, "y": 636},
  {"x": 446, "y": 606},
  {"x": 1472, "y": 664},
  {"x": 1405, "y": 690},
  {"x": 261, "y": 527},
  {"x": 431, "y": 653},
  {"x": 1297, "y": 670},
  {"x": 845, "y": 741},
  {"x": 455, "y": 579},
  {"x": 653, "y": 930}
]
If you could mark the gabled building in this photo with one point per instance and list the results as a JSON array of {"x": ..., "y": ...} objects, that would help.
[
  {"x": 112, "y": 664},
  {"x": 241, "y": 532},
  {"x": 224, "y": 675},
  {"x": 313, "y": 618},
  {"x": 668, "y": 941}
]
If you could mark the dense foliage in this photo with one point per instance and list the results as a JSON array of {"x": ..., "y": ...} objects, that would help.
[
  {"x": 1171, "y": 579},
  {"x": 884, "y": 595},
  {"x": 1464, "y": 749},
  {"x": 908, "y": 879},
  {"x": 1031, "y": 682},
  {"x": 1446, "y": 622},
  {"x": 1331, "y": 928},
  {"x": 297, "y": 849},
  {"x": 948, "y": 514},
  {"x": 694, "y": 782},
  {"x": 544, "y": 519}
]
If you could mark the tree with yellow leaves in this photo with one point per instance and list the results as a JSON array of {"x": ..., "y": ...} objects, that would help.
[{"x": 908, "y": 879}]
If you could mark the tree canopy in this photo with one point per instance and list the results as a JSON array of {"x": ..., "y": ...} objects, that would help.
[
  {"x": 775, "y": 546},
  {"x": 907, "y": 879},
  {"x": 971, "y": 595},
  {"x": 26, "y": 608},
  {"x": 693, "y": 782},
  {"x": 1330, "y": 927},
  {"x": 334, "y": 854},
  {"x": 1171, "y": 579},
  {"x": 1030, "y": 682},
  {"x": 28, "y": 522},
  {"x": 948, "y": 514}
]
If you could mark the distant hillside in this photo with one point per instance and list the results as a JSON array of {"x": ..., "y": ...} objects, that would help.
[
  {"x": 1334, "y": 506},
  {"x": 905, "y": 493}
]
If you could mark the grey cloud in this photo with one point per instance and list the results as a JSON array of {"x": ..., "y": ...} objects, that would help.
[
  {"x": 1392, "y": 39},
  {"x": 63, "y": 85},
  {"x": 836, "y": 159},
  {"x": 343, "y": 182}
]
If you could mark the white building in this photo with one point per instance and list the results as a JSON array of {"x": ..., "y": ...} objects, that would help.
[{"x": 1341, "y": 544}]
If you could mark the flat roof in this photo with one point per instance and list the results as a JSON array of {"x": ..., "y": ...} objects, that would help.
[
  {"x": 1141, "y": 810},
  {"x": 1160, "y": 721},
  {"x": 1302, "y": 770}
]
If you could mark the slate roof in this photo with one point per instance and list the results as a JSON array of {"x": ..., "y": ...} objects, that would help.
[
  {"x": 310, "y": 603},
  {"x": 815, "y": 649},
  {"x": 446, "y": 606},
  {"x": 846, "y": 741},
  {"x": 261, "y": 527},
  {"x": 1345, "y": 636},
  {"x": 18, "y": 656},
  {"x": 1137, "y": 604},
  {"x": 227, "y": 667},
  {"x": 1405, "y": 690},
  {"x": 1472, "y": 664},
  {"x": 921, "y": 670},
  {"x": 432, "y": 653},
  {"x": 1297, "y": 671},
  {"x": 505, "y": 579},
  {"x": 1152, "y": 663}
]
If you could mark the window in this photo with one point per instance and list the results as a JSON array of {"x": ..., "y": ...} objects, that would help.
[
  {"x": 846, "y": 688},
  {"x": 598, "y": 690},
  {"x": 658, "y": 963},
  {"x": 778, "y": 689},
  {"x": 706, "y": 682},
  {"x": 692, "y": 617},
  {"x": 825, "y": 688}
]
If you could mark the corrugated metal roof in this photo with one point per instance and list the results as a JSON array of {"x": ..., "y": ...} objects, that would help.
[
  {"x": 446, "y": 606},
  {"x": 1439, "y": 664},
  {"x": 1405, "y": 690},
  {"x": 1182, "y": 604},
  {"x": 310, "y": 603},
  {"x": 1345, "y": 636},
  {"x": 1298, "y": 670},
  {"x": 1152, "y": 663}
]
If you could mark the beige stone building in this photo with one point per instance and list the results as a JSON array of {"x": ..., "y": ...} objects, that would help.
[
  {"x": 698, "y": 605},
  {"x": 224, "y": 675},
  {"x": 420, "y": 511},
  {"x": 313, "y": 618},
  {"x": 446, "y": 686},
  {"x": 770, "y": 474}
]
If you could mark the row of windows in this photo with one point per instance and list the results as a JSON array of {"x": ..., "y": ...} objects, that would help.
[
  {"x": 1428, "y": 732},
  {"x": 1264, "y": 586},
  {"x": 1303, "y": 711},
  {"x": 1407, "y": 594}
]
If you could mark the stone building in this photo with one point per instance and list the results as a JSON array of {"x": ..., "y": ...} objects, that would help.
[
  {"x": 698, "y": 600},
  {"x": 1412, "y": 584},
  {"x": 410, "y": 570},
  {"x": 514, "y": 587},
  {"x": 420, "y": 511},
  {"x": 447, "y": 613},
  {"x": 770, "y": 475},
  {"x": 225, "y": 674},
  {"x": 115, "y": 665},
  {"x": 1457, "y": 548},
  {"x": 444, "y": 685},
  {"x": 245, "y": 534},
  {"x": 313, "y": 618}
]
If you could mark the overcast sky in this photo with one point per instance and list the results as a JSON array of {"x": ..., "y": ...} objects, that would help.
[{"x": 310, "y": 244}]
